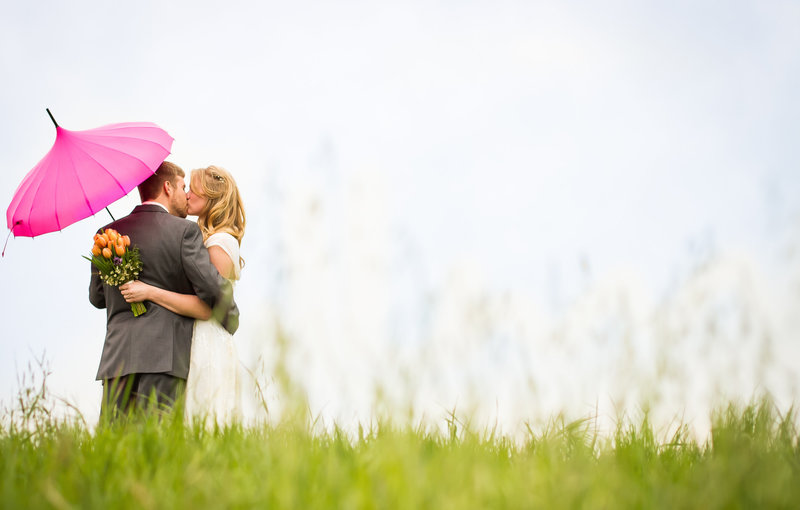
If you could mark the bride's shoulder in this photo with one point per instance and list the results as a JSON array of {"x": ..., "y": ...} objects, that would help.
[
  {"x": 221, "y": 237},
  {"x": 230, "y": 245}
]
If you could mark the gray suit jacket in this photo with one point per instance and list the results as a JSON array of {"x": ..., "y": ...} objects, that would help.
[{"x": 173, "y": 258}]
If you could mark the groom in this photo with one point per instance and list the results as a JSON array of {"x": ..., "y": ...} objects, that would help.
[{"x": 149, "y": 355}]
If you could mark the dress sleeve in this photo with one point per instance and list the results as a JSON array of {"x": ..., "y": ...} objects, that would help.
[{"x": 229, "y": 245}]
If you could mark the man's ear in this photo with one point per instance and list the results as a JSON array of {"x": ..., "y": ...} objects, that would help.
[{"x": 167, "y": 188}]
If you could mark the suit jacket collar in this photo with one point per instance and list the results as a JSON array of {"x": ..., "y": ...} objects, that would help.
[{"x": 149, "y": 208}]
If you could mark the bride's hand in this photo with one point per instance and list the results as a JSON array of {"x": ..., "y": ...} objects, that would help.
[{"x": 135, "y": 291}]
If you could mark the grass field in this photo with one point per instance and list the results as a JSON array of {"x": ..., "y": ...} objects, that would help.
[{"x": 751, "y": 460}]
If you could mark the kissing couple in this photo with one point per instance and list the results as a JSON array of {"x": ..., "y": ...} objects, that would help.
[{"x": 182, "y": 346}]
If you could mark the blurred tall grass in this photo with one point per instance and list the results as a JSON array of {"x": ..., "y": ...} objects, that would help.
[
  {"x": 358, "y": 333},
  {"x": 750, "y": 460}
]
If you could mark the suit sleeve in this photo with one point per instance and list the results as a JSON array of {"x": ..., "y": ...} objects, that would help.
[
  {"x": 204, "y": 277},
  {"x": 208, "y": 284},
  {"x": 97, "y": 295},
  {"x": 97, "y": 292}
]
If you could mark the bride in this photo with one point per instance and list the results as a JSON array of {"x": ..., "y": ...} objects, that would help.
[{"x": 212, "y": 387}]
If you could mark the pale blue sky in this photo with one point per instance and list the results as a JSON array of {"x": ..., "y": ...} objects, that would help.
[{"x": 521, "y": 137}]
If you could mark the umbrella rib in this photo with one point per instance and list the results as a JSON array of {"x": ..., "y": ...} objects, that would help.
[
  {"x": 55, "y": 209},
  {"x": 115, "y": 137},
  {"x": 121, "y": 187},
  {"x": 127, "y": 125},
  {"x": 33, "y": 202},
  {"x": 24, "y": 186},
  {"x": 83, "y": 190},
  {"x": 119, "y": 151}
]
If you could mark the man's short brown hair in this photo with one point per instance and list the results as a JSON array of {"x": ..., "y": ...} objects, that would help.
[{"x": 151, "y": 187}]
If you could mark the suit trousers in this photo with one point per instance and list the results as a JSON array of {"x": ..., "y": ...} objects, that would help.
[{"x": 133, "y": 392}]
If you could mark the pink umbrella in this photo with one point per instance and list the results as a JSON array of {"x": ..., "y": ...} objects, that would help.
[{"x": 84, "y": 172}]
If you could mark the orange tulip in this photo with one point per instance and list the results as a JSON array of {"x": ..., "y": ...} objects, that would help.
[
  {"x": 119, "y": 249},
  {"x": 100, "y": 241},
  {"x": 127, "y": 240},
  {"x": 96, "y": 250},
  {"x": 107, "y": 253}
]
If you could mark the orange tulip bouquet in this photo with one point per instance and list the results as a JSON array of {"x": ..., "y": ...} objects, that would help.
[{"x": 117, "y": 261}]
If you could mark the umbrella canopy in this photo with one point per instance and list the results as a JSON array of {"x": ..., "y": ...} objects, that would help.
[{"x": 84, "y": 172}]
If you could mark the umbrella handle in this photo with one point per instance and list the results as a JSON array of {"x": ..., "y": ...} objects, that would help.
[{"x": 109, "y": 213}]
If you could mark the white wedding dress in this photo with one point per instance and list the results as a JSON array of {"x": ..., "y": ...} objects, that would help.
[{"x": 213, "y": 388}]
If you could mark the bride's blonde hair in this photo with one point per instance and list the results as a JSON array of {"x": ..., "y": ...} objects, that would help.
[{"x": 224, "y": 211}]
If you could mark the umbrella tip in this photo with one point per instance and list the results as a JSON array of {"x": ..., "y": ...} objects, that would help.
[{"x": 51, "y": 116}]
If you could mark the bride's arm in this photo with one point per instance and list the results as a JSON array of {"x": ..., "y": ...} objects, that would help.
[
  {"x": 182, "y": 304},
  {"x": 188, "y": 305}
]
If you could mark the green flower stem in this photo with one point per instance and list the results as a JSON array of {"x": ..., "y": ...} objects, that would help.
[{"x": 138, "y": 309}]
